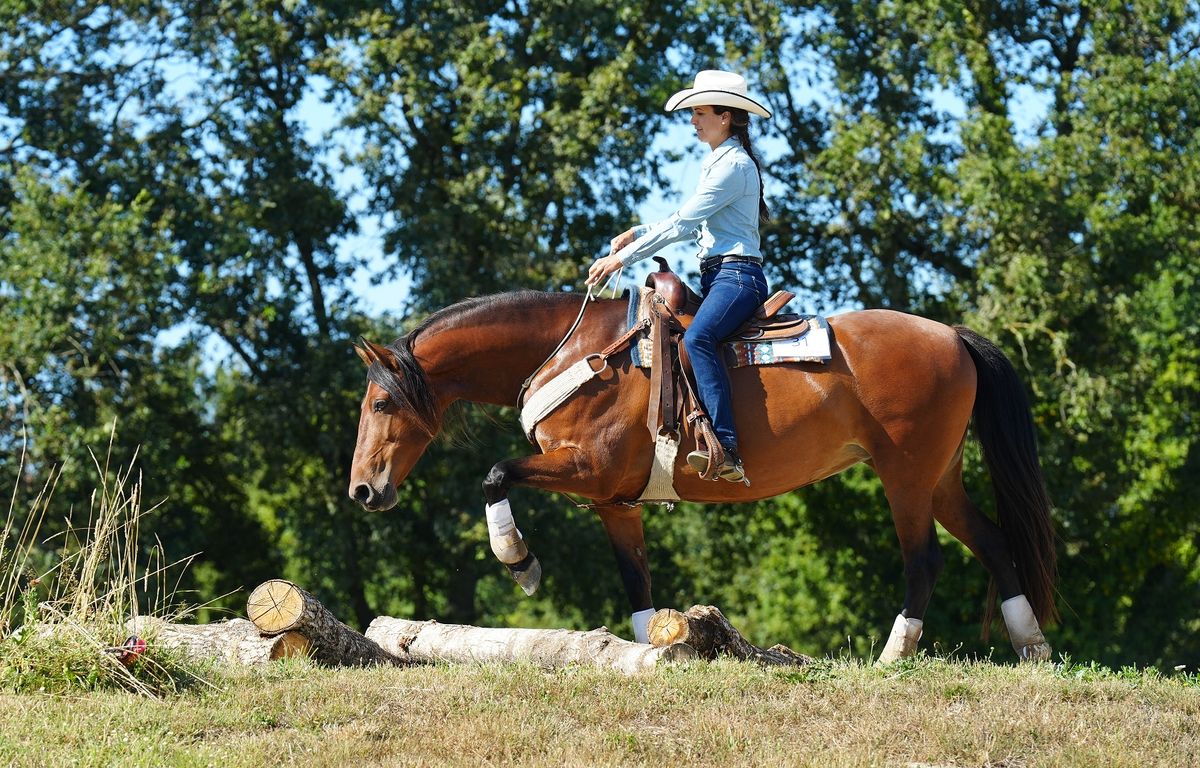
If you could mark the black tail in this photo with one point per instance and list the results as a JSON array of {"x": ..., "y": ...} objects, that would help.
[{"x": 1004, "y": 427}]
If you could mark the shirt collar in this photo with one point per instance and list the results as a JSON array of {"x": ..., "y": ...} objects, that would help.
[{"x": 721, "y": 150}]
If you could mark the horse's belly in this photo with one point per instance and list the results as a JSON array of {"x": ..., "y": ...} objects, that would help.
[{"x": 796, "y": 424}]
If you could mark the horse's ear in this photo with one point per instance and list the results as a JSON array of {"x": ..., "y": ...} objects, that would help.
[
  {"x": 364, "y": 353},
  {"x": 377, "y": 353}
]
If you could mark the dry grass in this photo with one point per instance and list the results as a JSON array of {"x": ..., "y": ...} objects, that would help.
[
  {"x": 65, "y": 599},
  {"x": 840, "y": 713}
]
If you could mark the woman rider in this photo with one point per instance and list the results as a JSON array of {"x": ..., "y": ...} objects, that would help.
[{"x": 723, "y": 215}]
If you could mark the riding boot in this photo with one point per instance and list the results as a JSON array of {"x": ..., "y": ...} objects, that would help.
[{"x": 731, "y": 469}]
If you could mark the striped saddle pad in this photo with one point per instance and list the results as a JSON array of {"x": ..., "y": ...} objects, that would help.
[{"x": 810, "y": 346}]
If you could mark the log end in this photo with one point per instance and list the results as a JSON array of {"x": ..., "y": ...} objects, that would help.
[
  {"x": 290, "y": 644},
  {"x": 667, "y": 627},
  {"x": 677, "y": 652},
  {"x": 275, "y": 606}
]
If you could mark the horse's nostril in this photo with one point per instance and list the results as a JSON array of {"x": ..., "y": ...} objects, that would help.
[{"x": 361, "y": 493}]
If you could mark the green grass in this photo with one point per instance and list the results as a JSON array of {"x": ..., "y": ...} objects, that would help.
[{"x": 838, "y": 713}]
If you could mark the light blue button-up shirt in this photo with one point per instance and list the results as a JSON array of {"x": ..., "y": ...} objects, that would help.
[{"x": 722, "y": 215}]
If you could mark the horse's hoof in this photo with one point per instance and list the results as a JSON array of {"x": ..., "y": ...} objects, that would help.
[
  {"x": 1035, "y": 652},
  {"x": 891, "y": 656},
  {"x": 527, "y": 573},
  {"x": 510, "y": 548}
]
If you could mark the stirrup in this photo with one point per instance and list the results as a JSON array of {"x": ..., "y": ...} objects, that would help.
[{"x": 732, "y": 470}]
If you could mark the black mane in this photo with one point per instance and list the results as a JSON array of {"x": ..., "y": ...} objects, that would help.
[{"x": 409, "y": 384}]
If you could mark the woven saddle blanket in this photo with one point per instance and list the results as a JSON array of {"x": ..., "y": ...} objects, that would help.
[{"x": 812, "y": 346}]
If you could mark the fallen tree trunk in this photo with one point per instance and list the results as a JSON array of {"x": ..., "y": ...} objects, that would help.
[
  {"x": 236, "y": 640},
  {"x": 429, "y": 641},
  {"x": 278, "y": 606},
  {"x": 706, "y": 630}
]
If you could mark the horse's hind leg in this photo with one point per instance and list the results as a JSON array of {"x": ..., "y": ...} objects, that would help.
[
  {"x": 912, "y": 512},
  {"x": 623, "y": 525},
  {"x": 959, "y": 515}
]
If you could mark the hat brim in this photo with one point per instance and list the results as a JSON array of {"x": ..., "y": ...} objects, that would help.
[{"x": 690, "y": 97}]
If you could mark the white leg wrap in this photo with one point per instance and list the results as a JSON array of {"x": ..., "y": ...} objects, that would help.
[
  {"x": 640, "y": 619},
  {"x": 507, "y": 543},
  {"x": 1023, "y": 630},
  {"x": 902, "y": 643}
]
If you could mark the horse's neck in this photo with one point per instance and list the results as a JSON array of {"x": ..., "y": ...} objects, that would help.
[{"x": 487, "y": 356}]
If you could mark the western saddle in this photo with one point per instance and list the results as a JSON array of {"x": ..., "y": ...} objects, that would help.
[{"x": 673, "y": 306}]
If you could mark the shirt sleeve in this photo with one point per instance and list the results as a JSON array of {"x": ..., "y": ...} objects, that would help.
[{"x": 723, "y": 184}]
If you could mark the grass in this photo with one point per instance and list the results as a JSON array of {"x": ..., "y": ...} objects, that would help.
[
  {"x": 63, "y": 625},
  {"x": 837, "y": 713}
]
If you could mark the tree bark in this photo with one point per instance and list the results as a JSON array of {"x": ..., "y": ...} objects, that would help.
[
  {"x": 429, "y": 641},
  {"x": 237, "y": 640},
  {"x": 277, "y": 606},
  {"x": 706, "y": 630}
]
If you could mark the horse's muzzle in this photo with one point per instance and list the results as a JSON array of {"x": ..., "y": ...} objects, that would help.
[{"x": 373, "y": 499}]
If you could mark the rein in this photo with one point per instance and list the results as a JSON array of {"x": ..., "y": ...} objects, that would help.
[
  {"x": 574, "y": 326},
  {"x": 556, "y": 391}
]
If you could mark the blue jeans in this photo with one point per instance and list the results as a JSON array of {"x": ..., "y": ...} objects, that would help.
[{"x": 731, "y": 293}]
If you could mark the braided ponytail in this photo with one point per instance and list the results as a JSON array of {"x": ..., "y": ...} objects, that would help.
[{"x": 740, "y": 127}]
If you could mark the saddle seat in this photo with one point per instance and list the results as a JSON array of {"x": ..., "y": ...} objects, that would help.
[{"x": 764, "y": 325}]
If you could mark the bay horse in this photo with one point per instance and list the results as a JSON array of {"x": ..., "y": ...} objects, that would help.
[{"x": 897, "y": 394}]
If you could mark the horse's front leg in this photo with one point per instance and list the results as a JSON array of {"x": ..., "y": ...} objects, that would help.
[
  {"x": 623, "y": 525},
  {"x": 557, "y": 470}
]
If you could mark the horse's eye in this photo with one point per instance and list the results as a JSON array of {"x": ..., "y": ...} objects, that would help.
[{"x": 379, "y": 406}]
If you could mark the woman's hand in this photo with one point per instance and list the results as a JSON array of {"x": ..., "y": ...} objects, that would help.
[
  {"x": 620, "y": 241},
  {"x": 602, "y": 268}
]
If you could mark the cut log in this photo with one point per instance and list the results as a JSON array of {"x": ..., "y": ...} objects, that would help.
[
  {"x": 429, "y": 641},
  {"x": 280, "y": 606},
  {"x": 706, "y": 629},
  {"x": 236, "y": 640}
]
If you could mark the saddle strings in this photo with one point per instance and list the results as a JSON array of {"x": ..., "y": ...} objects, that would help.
[{"x": 578, "y": 319}]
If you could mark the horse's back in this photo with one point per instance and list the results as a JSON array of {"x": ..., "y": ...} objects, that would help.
[
  {"x": 887, "y": 350},
  {"x": 897, "y": 386}
]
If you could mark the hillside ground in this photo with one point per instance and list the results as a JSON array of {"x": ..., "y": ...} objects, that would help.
[{"x": 926, "y": 712}]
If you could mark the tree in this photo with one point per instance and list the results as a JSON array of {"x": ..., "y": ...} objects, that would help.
[
  {"x": 1091, "y": 270},
  {"x": 506, "y": 145},
  {"x": 1070, "y": 239},
  {"x": 173, "y": 259}
]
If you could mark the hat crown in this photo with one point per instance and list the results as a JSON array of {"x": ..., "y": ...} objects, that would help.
[
  {"x": 719, "y": 80},
  {"x": 716, "y": 87}
]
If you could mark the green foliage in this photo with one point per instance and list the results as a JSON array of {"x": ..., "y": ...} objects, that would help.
[
  {"x": 507, "y": 143},
  {"x": 1090, "y": 276},
  {"x": 73, "y": 659},
  {"x": 175, "y": 256}
]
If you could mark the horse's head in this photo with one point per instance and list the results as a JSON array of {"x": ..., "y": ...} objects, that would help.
[{"x": 398, "y": 419}]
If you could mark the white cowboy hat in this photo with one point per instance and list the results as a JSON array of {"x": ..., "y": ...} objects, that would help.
[{"x": 717, "y": 87}]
